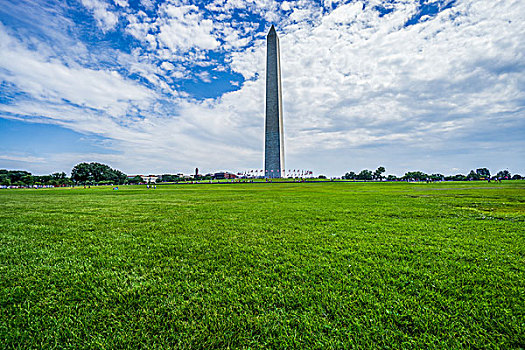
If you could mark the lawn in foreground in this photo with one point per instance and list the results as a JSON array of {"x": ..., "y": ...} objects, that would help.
[{"x": 264, "y": 265}]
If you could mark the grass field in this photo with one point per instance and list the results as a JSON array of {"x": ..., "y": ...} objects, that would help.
[{"x": 328, "y": 265}]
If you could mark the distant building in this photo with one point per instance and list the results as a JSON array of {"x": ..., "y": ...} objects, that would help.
[
  {"x": 224, "y": 175},
  {"x": 150, "y": 178}
]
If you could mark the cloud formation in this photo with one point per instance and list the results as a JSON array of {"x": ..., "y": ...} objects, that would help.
[
  {"x": 427, "y": 85},
  {"x": 105, "y": 18}
]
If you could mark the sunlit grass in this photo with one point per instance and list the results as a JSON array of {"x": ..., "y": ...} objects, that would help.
[{"x": 336, "y": 265}]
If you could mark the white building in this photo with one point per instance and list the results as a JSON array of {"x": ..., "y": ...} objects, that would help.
[{"x": 149, "y": 178}]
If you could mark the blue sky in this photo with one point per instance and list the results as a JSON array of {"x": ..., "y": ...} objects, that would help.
[{"x": 166, "y": 86}]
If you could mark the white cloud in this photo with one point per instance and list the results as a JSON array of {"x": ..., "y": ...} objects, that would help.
[
  {"x": 148, "y": 4},
  {"x": 106, "y": 19},
  {"x": 65, "y": 94},
  {"x": 167, "y": 66},
  {"x": 286, "y": 5},
  {"x": 121, "y": 3},
  {"x": 204, "y": 76},
  {"x": 138, "y": 25},
  {"x": 21, "y": 158},
  {"x": 51, "y": 81},
  {"x": 183, "y": 27}
]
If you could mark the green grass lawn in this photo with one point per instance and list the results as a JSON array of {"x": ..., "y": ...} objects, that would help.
[{"x": 325, "y": 265}]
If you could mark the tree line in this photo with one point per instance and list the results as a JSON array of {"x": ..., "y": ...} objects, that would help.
[
  {"x": 479, "y": 174},
  {"x": 81, "y": 174},
  {"x": 25, "y": 178},
  {"x": 101, "y": 174}
]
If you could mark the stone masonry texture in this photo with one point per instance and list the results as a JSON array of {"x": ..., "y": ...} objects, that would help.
[{"x": 274, "y": 140}]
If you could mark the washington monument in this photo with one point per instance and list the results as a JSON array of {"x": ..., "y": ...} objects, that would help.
[{"x": 274, "y": 140}]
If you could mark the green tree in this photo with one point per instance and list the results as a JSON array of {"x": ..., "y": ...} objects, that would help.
[
  {"x": 503, "y": 174},
  {"x": 27, "y": 180},
  {"x": 65, "y": 181},
  {"x": 350, "y": 176},
  {"x": 378, "y": 173},
  {"x": 97, "y": 173},
  {"x": 16, "y": 176},
  {"x": 5, "y": 181},
  {"x": 415, "y": 175},
  {"x": 100, "y": 172},
  {"x": 483, "y": 172},
  {"x": 81, "y": 173},
  {"x": 472, "y": 176},
  {"x": 365, "y": 175},
  {"x": 436, "y": 177},
  {"x": 457, "y": 177},
  {"x": 135, "y": 180},
  {"x": 118, "y": 177},
  {"x": 166, "y": 178},
  {"x": 44, "y": 179},
  {"x": 391, "y": 178},
  {"x": 59, "y": 176}
]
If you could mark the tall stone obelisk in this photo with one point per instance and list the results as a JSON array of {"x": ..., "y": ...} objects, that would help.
[{"x": 274, "y": 140}]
